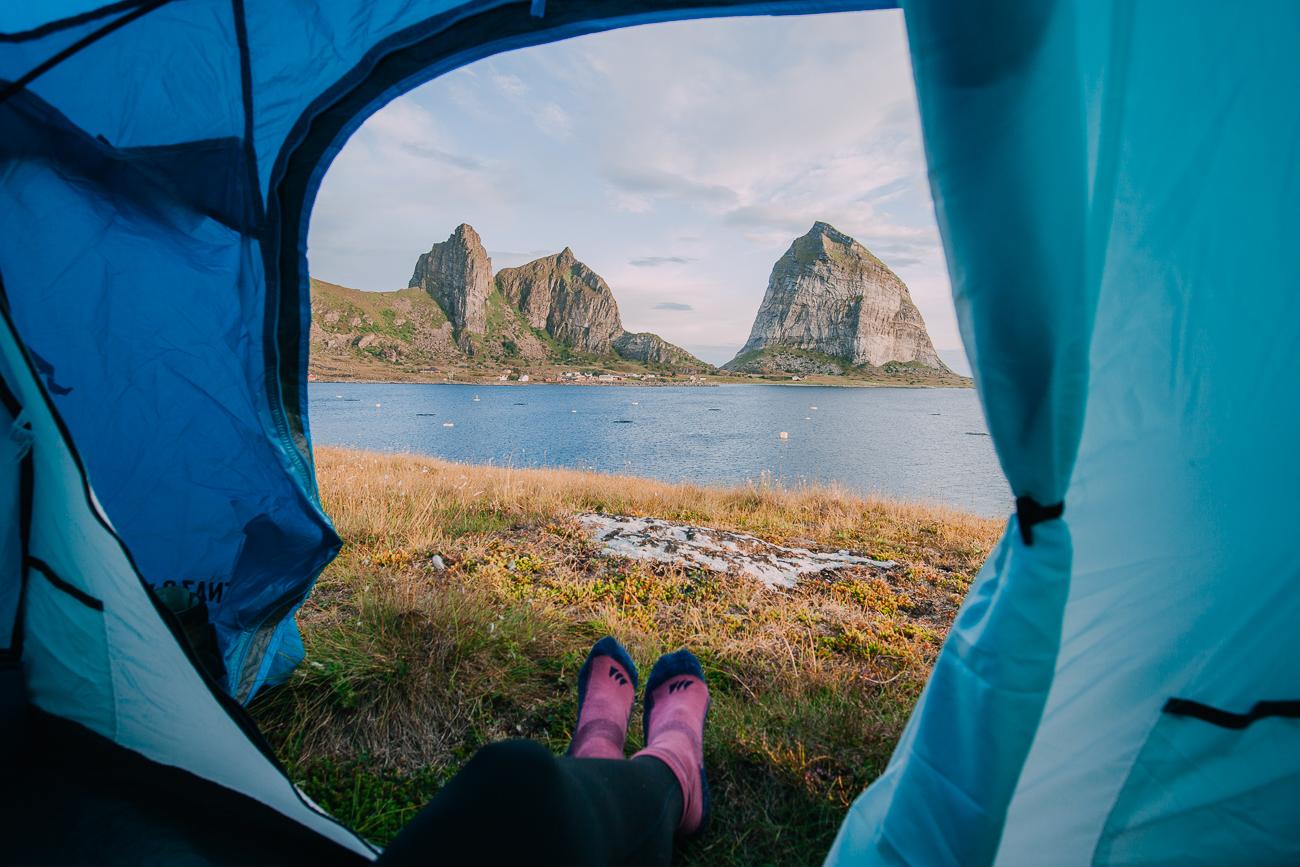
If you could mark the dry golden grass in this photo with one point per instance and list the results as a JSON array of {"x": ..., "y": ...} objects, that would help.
[
  {"x": 411, "y": 667},
  {"x": 379, "y": 498}
]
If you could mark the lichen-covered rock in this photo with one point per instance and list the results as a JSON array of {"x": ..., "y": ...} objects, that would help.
[
  {"x": 829, "y": 295},
  {"x": 458, "y": 275},
  {"x": 566, "y": 299}
]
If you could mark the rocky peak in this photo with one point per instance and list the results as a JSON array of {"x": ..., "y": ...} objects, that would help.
[
  {"x": 457, "y": 273},
  {"x": 565, "y": 298},
  {"x": 830, "y": 295},
  {"x": 576, "y": 307},
  {"x": 827, "y": 230}
]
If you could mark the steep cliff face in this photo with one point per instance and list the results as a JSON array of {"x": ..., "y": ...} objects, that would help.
[
  {"x": 566, "y": 299},
  {"x": 458, "y": 275},
  {"x": 829, "y": 296}
]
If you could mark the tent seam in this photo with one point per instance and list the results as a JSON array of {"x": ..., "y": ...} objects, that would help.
[
  {"x": 75, "y": 48},
  {"x": 246, "y": 88},
  {"x": 52, "y": 27}
]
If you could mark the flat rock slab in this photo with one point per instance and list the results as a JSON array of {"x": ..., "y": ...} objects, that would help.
[{"x": 718, "y": 550}]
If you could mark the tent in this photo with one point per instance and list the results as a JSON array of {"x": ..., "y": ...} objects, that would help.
[{"x": 1115, "y": 185}]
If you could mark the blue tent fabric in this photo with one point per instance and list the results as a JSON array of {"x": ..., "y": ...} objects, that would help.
[
  {"x": 1000, "y": 107},
  {"x": 93, "y": 646},
  {"x": 1115, "y": 187},
  {"x": 1114, "y": 183},
  {"x": 1182, "y": 499}
]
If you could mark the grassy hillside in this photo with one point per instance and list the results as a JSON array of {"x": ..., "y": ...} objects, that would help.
[
  {"x": 779, "y": 363},
  {"x": 465, "y": 599},
  {"x": 358, "y": 333},
  {"x": 405, "y": 336}
]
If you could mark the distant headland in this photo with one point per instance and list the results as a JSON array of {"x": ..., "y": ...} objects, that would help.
[{"x": 833, "y": 314}]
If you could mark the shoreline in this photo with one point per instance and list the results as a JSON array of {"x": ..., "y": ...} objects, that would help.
[
  {"x": 616, "y": 433},
  {"x": 688, "y": 491},
  {"x": 639, "y": 384},
  {"x": 571, "y": 479}
]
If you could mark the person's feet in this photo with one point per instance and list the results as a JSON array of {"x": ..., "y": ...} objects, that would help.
[
  {"x": 676, "y": 704},
  {"x": 606, "y": 689}
]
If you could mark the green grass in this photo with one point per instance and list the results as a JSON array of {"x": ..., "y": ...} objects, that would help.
[
  {"x": 755, "y": 359},
  {"x": 404, "y": 331},
  {"x": 410, "y": 668},
  {"x": 499, "y": 313},
  {"x": 782, "y": 766},
  {"x": 398, "y": 318}
]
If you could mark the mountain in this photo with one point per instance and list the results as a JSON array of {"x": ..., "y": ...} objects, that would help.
[
  {"x": 653, "y": 350},
  {"x": 575, "y": 306},
  {"x": 456, "y": 320},
  {"x": 833, "y": 308},
  {"x": 565, "y": 298},
  {"x": 458, "y": 275},
  {"x": 406, "y": 335}
]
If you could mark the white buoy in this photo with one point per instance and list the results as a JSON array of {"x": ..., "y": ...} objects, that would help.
[
  {"x": 785, "y": 435},
  {"x": 448, "y": 424}
]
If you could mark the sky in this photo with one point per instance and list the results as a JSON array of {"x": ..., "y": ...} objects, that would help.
[{"x": 677, "y": 160}]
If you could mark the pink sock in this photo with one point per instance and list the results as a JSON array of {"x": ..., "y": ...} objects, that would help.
[
  {"x": 677, "y": 702},
  {"x": 606, "y": 690}
]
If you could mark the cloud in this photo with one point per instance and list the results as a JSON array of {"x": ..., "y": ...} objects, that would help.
[
  {"x": 513, "y": 258},
  {"x": 656, "y": 261},
  {"x": 672, "y": 305},
  {"x": 907, "y": 253},
  {"x": 631, "y": 203},
  {"x": 428, "y": 151},
  {"x": 553, "y": 120},
  {"x": 510, "y": 85},
  {"x": 658, "y": 182},
  {"x": 767, "y": 217},
  {"x": 547, "y": 115},
  {"x": 888, "y": 190}
]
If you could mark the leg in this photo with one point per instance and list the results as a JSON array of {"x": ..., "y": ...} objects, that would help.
[
  {"x": 638, "y": 803},
  {"x": 515, "y": 803}
]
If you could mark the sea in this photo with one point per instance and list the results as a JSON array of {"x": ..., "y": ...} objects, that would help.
[{"x": 914, "y": 444}]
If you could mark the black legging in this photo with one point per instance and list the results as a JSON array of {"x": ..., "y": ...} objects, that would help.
[{"x": 516, "y": 803}]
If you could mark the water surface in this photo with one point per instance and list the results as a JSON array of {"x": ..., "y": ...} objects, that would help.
[{"x": 913, "y": 444}]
